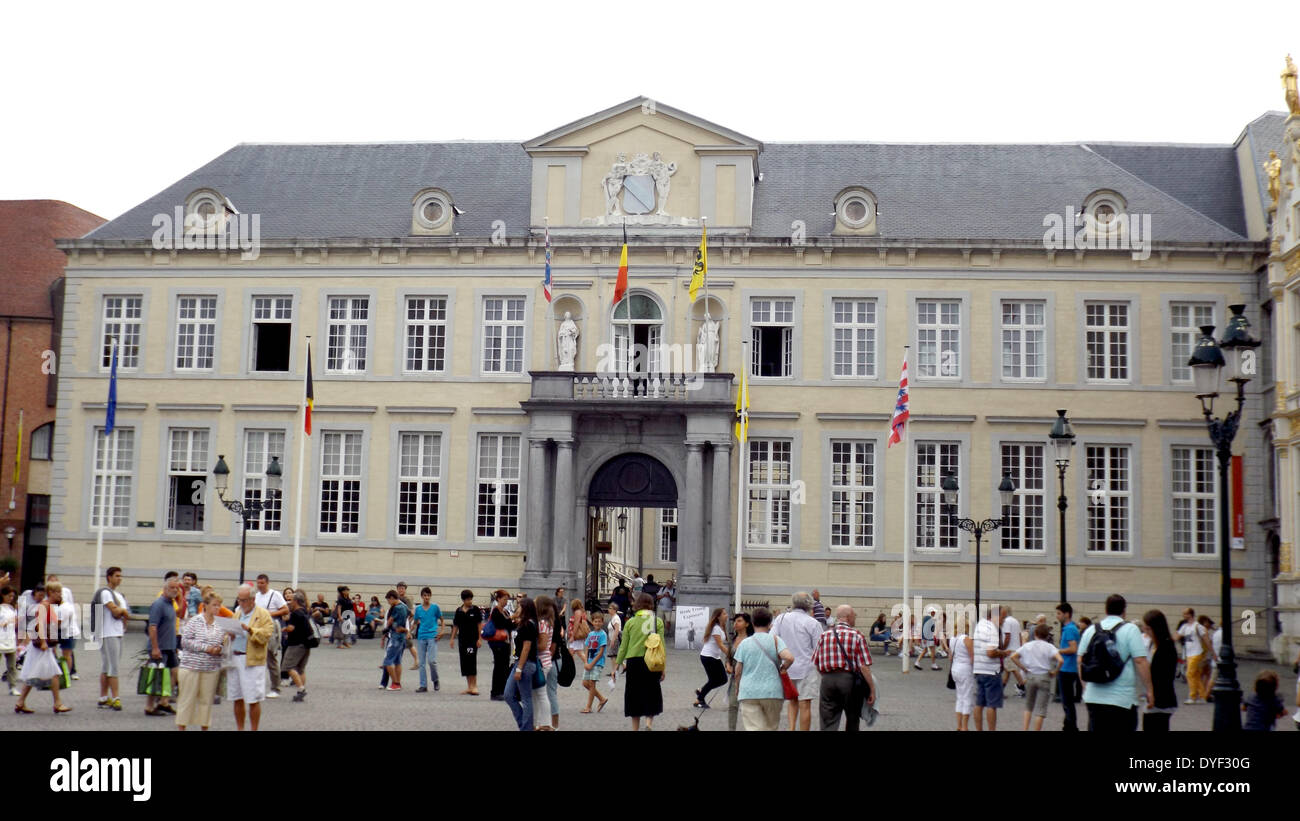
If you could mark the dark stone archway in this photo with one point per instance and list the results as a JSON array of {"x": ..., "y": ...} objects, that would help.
[{"x": 633, "y": 480}]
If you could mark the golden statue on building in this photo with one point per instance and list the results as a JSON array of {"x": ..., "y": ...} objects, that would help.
[
  {"x": 1273, "y": 168},
  {"x": 1289, "y": 83}
]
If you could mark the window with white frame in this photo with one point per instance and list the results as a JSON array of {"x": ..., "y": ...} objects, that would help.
[
  {"x": 340, "y": 483},
  {"x": 770, "y": 484},
  {"x": 272, "y": 333},
  {"x": 1109, "y": 476},
  {"x": 938, "y": 338},
  {"x": 419, "y": 487},
  {"x": 122, "y": 318},
  {"x": 187, "y": 471},
  {"x": 1194, "y": 486},
  {"x": 114, "y": 472},
  {"x": 1107, "y": 338},
  {"x": 853, "y": 493},
  {"x": 503, "y": 334},
  {"x": 259, "y": 447},
  {"x": 1024, "y": 334},
  {"x": 1023, "y": 519},
  {"x": 934, "y": 460},
  {"x": 426, "y": 334},
  {"x": 498, "y": 486},
  {"x": 348, "y": 327},
  {"x": 772, "y": 329},
  {"x": 196, "y": 332},
  {"x": 854, "y": 329},
  {"x": 1185, "y": 321},
  {"x": 668, "y": 535},
  {"x": 42, "y": 443}
]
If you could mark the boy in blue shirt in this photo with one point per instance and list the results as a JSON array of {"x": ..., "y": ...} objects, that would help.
[
  {"x": 595, "y": 663},
  {"x": 427, "y": 624},
  {"x": 1067, "y": 681}
]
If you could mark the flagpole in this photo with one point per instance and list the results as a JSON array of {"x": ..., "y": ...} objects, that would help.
[
  {"x": 908, "y": 527},
  {"x": 18, "y": 464},
  {"x": 103, "y": 490},
  {"x": 628, "y": 309},
  {"x": 301, "y": 478},
  {"x": 742, "y": 487}
]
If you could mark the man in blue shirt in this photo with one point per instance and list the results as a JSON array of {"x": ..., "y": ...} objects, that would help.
[
  {"x": 1068, "y": 679},
  {"x": 1113, "y": 707},
  {"x": 427, "y": 624}
]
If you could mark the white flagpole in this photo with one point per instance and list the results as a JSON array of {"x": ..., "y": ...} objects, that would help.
[
  {"x": 742, "y": 485},
  {"x": 908, "y": 533},
  {"x": 301, "y": 478}
]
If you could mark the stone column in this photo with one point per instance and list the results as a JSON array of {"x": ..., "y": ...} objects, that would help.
[
  {"x": 562, "y": 544},
  {"x": 537, "y": 563},
  {"x": 690, "y": 536},
  {"x": 720, "y": 529}
]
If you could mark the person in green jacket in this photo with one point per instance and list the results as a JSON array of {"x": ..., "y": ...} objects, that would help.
[{"x": 644, "y": 697}]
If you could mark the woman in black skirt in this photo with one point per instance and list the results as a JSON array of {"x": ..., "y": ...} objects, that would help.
[
  {"x": 643, "y": 697},
  {"x": 500, "y": 649},
  {"x": 466, "y": 625}
]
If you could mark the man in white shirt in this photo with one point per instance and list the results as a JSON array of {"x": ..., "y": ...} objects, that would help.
[
  {"x": 987, "y": 664},
  {"x": 800, "y": 632},
  {"x": 271, "y": 600},
  {"x": 1011, "y": 643},
  {"x": 1196, "y": 649},
  {"x": 69, "y": 628},
  {"x": 111, "y": 623},
  {"x": 1040, "y": 661}
]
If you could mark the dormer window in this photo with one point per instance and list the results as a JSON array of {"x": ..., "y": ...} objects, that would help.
[
  {"x": 855, "y": 210},
  {"x": 1105, "y": 210},
  {"x": 432, "y": 212},
  {"x": 205, "y": 211}
]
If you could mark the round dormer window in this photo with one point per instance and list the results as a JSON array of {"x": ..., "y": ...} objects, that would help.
[
  {"x": 1106, "y": 210},
  {"x": 432, "y": 209},
  {"x": 855, "y": 208},
  {"x": 205, "y": 210}
]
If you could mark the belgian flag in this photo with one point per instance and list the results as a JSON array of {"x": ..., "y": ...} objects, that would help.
[
  {"x": 310, "y": 394},
  {"x": 620, "y": 287}
]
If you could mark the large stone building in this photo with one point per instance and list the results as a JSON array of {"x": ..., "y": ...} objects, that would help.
[{"x": 453, "y": 444}]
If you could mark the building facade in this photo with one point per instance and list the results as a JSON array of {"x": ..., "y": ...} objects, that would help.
[{"x": 469, "y": 433}]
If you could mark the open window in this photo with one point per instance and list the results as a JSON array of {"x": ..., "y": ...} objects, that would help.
[{"x": 272, "y": 333}]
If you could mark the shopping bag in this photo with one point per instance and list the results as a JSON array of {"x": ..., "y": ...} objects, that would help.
[{"x": 155, "y": 680}]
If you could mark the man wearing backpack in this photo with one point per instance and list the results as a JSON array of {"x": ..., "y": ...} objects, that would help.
[
  {"x": 1113, "y": 664},
  {"x": 108, "y": 624}
]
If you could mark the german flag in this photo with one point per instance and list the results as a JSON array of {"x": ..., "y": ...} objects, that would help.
[
  {"x": 310, "y": 395},
  {"x": 620, "y": 288}
]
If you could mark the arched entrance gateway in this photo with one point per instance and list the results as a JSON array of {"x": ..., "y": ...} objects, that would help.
[{"x": 624, "y": 476}]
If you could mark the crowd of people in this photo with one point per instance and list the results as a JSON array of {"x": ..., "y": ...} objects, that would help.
[{"x": 807, "y": 660}]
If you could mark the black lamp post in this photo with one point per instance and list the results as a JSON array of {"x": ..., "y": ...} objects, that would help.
[
  {"x": 1236, "y": 351},
  {"x": 1062, "y": 437},
  {"x": 1006, "y": 489},
  {"x": 243, "y": 510}
]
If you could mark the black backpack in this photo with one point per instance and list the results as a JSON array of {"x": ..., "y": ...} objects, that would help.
[
  {"x": 1102, "y": 663},
  {"x": 95, "y": 607}
]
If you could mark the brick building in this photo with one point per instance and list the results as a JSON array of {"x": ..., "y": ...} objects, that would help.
[{"x": 31, "y": 306}]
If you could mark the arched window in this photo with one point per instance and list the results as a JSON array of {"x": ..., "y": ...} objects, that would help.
[
  {"x": 42, "y": 443},
  {"x": 645, "y": 328}
]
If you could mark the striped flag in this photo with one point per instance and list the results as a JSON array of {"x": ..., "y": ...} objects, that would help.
[
  {"x": 701, "y": 264},
  {"x": 898, "y": 425},
  {"x": 546, "y": 283},
  {"x": 311, "y": 397},
  {"x": 620, "y": 287}
]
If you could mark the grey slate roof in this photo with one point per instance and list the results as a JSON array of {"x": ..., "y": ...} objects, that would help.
[
  {"x": 1265, "y": 135},
  {"x": 924, "y": 191}
]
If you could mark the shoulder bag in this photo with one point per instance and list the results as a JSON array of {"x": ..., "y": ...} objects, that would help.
[
  {"x": 788, "y": 690},
  {"x": 860, "y": 686}
]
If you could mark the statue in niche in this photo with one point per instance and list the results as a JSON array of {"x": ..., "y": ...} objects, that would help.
[
  {"x": 567, "y": 343},
  {"x": 706, "y": 347}
]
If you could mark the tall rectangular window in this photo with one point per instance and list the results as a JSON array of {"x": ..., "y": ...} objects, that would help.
[
  {"x": 187, "y": 471},
  {"x": 934, "y": 460},
  {"x": 426, "y": 334},
  {"x": 770, "y": 484},
  {"x": 854, "y": 329},
  {"x": 1023, "y": 519},
  {"x": 668, "y": 535},
  {"x": 498, "y": 486},
  {"x": 1107, "y": 326},
  {"x": 114, "y": 471},
  {"x": 938, "y": 338},
  {"x": 1024, "y": 331},
  {"x": 503, "y": 335},
  {"x": 348, "y": 326},
  {"x": 419, "y": 484},
  {"x": 196, "y": 332},
  {"x": 1109, "y": 514},
  {"x": 1194, "y": 485},
  {"x": 1185, "y": 321},
  {"x": 853, "y": 493},
  {"x": 122, "y": 318},
  {"x": 272, "y": 330},
  {"x": 259, "y": 447},
  {"x": 772, "y": 329},
  {"x": 340, "y": 483}
]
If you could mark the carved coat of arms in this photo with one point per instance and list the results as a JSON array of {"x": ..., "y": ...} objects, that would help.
[{"x": 643, "y": 184}]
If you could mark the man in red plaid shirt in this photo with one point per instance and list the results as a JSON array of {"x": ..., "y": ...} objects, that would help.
[{"x": 841, "y": 652}]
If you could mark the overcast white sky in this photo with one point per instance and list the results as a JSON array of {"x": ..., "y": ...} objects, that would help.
[{"x": 105, "y": 103}]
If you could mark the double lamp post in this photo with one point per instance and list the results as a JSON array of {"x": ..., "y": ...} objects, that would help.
[{"x": 251, "y": 507}]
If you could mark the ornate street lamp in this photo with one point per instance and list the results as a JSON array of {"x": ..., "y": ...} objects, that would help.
[
  {"x": 1006, "y": 490},
  {"x": 622, "y": 521},
  {"x": 1062, "y": 437},
  {"x": 253, "y": 507},
  {"x": 1236, "y": 354}
]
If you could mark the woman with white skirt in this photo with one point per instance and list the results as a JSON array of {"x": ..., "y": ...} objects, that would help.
[
  {"x": 962, "y": 651},
  {"x": 42, "y": 663}
]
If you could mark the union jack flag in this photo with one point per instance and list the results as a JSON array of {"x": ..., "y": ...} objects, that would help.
[
  {"x": 898, "y": 425},
  {"x": 546, "y": 283}
]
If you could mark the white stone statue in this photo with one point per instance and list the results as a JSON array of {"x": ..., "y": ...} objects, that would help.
[
  {"x": 661, "y": 172},
  {"x": 567, "y": 345},
  {"x": 613, "y": 185},
  {"x": 706, "y": 348}
]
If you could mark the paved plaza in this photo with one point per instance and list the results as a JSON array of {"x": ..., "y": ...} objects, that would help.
[{"x": 344, "y": 694}]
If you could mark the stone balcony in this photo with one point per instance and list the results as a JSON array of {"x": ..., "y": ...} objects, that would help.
[{"x": 660, "y": 388}]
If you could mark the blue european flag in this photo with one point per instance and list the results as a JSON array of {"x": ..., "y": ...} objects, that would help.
[{"x": 111, "y": 413}]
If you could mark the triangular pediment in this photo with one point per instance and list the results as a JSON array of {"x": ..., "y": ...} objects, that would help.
[{"x": 643, "y": 112}]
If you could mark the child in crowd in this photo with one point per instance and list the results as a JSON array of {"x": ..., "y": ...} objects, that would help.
[
  {"x": 614, "y": 630},
  {"x": 1262, "y": 707},
  {"x": 595, "y": 645},
  {"x": 1040, "y": 661}
]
